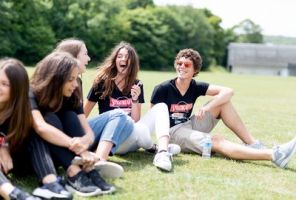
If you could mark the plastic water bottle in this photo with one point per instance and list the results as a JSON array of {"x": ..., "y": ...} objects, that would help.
[{"x": 207, "y": 147}]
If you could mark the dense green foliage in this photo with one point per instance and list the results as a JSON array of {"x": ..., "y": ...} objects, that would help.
[{"x": 29, "y": 29}]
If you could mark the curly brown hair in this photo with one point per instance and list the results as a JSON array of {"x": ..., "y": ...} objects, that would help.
[{"x": 192, "y": 55}]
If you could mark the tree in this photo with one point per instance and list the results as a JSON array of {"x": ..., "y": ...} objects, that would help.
[
  {"x": 248, "y": 32},
  {"x": 221, "y": 38},
  {"x": 29, "y": 37}
]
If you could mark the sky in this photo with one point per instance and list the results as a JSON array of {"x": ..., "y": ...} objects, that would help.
[{"x": 275, "y": 17}]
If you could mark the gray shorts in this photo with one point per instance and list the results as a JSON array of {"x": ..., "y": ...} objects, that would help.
[{"x": 189, "y": 135}]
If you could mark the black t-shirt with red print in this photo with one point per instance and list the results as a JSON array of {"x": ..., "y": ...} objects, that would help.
[
  {"x": 180, "y": 106},
  {"x": 116, "y": 100}
]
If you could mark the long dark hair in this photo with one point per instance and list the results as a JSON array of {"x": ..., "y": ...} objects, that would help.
[
  {"x": 107, "y": 71},
  {"x": 18, "y": 109},
  {"x": 48, "y": 80}
]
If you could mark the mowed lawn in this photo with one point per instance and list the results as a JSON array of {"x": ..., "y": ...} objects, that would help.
[{"x": 267, "y": 105}]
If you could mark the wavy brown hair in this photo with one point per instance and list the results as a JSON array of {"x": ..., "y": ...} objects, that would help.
[
  {"x": 49, "y": 78},
  {"x": 70, "y": 45},
  {"x": 18, "y": 108},
  {"x": 107, "y": 71},
  {"x": 192, "y": 55}
]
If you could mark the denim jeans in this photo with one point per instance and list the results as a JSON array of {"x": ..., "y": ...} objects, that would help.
[{"x": 113, "y": 126}]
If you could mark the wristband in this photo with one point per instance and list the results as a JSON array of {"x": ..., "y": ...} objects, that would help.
[
  {"x": 3, "y": 142},
  {"x": 135, "y": 101}
]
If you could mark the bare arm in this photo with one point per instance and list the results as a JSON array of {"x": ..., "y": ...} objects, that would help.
[
  {"x": 136, "y": 106},
  {"x": 136, "y": 111},
  {"x": 48, "y": 132},
  {"x": 88, "y": 106},
  {"x": 220, "y": 95}
]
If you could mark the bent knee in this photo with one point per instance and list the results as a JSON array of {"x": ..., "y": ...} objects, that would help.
[
  {"x": 161, "y": 106},
  {"x": 217, "y": 140}
]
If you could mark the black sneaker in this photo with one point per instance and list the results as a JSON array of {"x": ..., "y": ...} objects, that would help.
[
  {"x": 18, "y": 194},
  {"x": 53, "y": 190},
  {"x": 82, "y": 185},
  {"x": 100, "y": 182},
  {"x": 153, "y": 149}
]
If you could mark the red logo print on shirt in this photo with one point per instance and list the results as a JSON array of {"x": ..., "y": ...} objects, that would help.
[
  {"x": 181, "y": 107},
  {"x": 120, "y": 103}
]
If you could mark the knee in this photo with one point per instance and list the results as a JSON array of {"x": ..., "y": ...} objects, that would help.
[
  {"x": 217, "y": 140},
  {"x": 118, "y": 112},
  {"x": 52, "y": 119},
  {"x": 161, "y": 106}
]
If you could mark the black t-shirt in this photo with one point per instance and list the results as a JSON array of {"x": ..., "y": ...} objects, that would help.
[
  {"x": 66, "y": 106},
  {"x": 116, "y": 100},
  {"x": 180, "y": 107},
  {"x": 4, "y": 128}
]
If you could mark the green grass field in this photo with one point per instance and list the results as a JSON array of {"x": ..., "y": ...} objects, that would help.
[{"x": 267, "y": 105}]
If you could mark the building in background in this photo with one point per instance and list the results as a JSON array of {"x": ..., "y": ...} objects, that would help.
[{"x": 262, "y": 59}]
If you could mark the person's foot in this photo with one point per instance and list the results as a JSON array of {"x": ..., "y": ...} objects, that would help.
[
  {"x": 283, "y": 153},
  {"x": 163, "y": 161},
  {"x": 173, "y": 149},
  {"x": 81, "y": 185},
  {"x": 18, "y": 194},
  {"x": 100, "y": 182},
  {"x": 257, "y": 145},
  {"x": 109, "y": 169},
  {"x": 53, "y": 190}
]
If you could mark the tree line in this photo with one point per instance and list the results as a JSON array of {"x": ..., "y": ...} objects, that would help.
[{"x": 30, "y": 29}]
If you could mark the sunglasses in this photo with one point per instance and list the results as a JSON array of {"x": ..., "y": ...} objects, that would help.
[{"x": 186, "y": 64}]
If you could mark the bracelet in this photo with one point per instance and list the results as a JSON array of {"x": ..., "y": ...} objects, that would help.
[
  {"x": 135, "y": 101},
  {"x": 3, "y": 142}
]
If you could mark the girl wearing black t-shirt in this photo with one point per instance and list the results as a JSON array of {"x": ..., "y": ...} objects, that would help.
[
  {"x": 110, "y": 128},
  {"x": 59, "y": 120},
  {"x": 116, "y": 86},
  {"x": 15, "y": 122}
]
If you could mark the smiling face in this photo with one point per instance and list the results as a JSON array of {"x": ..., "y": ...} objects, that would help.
[
  {"x": 83, "y": 59},
  {"x": 71, "y": 84},
  {"x": 122, "y": 61},
  {"x": 4, "y": 88},
  {"x": 184, "y": 68}
]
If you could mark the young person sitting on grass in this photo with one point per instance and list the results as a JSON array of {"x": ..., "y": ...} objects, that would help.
[
  {"x": 62, "y": 127},
  {"x": 15, "y": 123},
  {"x": 110, "y": 128},
  {"x": 189, "y": 131},
  {"x": 116, "y": 86}
]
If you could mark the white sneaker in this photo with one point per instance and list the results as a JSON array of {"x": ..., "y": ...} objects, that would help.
[
  {"x": 109, "y": 169},
  {"x": 163, "y": 160},
  {"x": 105, "y": 168},
  {"x": 283, "y": 153},
  {"x": 77, "y": 160},
  {"x": 174, "y": 149}
]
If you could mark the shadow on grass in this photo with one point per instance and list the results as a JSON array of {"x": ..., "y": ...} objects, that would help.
[
  {"x": 256, "y": 162},
  {"x": 140, "y": 159}
]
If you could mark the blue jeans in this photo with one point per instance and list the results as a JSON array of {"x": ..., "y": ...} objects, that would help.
[{"x": 113, "y": 126}]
